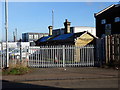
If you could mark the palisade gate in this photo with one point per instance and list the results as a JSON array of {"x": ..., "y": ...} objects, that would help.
[
  {"x": 51, "y": 56},
  {"x": 61, "y": 56}
]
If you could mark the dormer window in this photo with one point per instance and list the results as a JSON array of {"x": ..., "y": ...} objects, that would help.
[
  {"x": 117, "y": 19},
  {"x": 103, "y": 21}
]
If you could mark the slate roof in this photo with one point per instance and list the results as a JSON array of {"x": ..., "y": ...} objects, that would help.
[
  {"x": 43, "y": 39},
  {"x": 61, "y": 39},
  {"x": 63, "y": 36},
  {"x": 69, "y": 36}
]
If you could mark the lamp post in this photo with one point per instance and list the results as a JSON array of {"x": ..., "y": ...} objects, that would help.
[{"x": 6, "y": 28}]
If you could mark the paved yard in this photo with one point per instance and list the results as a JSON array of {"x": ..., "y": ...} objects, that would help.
[{"x": 82, "y": 77}]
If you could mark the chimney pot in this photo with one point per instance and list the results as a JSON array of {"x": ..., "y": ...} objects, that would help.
[
  {"x": 67, "y": 26},
  {"x": 66, "y": 20},
  {"x": 50, "y": 30}
]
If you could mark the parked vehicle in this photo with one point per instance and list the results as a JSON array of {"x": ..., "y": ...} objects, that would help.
[
  {"x": 15, "y": 54},
  {"x": 3, "y": 52}
]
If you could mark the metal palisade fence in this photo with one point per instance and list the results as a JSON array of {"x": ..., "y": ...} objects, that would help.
[
  {"x": 61, "y": 56},
  {"x": 49, "y": 56},
  {"x": 16, "y": 56}
]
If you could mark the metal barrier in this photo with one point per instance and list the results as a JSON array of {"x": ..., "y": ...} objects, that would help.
[
  {"x": 16, "y": 55},
  {"x": 50, "y": 56},
  {"x": 61, "y": 56}
]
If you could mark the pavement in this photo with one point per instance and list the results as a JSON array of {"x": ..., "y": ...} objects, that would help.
[{"x": 64, "y": 78}]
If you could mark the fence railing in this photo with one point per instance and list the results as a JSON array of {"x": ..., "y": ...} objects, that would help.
[
  {"x": 50, "y": 56},
  {"x": 61, "y": 56},
  {"x": 16, "y": 56},
  {"x": 108, "y": 49}
]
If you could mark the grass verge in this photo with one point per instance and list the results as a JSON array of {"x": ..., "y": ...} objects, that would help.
[{"x": 16, "y": 71}]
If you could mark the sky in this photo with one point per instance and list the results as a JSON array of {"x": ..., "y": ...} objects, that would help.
[{"x": 37, "y": 16}]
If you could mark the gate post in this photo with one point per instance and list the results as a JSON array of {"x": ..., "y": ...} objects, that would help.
[
  {"x": 20, "y": 50},
  {"x": 28, "y": 55},
  {"x": 63, "y": 55}
]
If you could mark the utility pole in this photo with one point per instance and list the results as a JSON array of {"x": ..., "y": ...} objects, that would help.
[
  {"x": 16, "y": 34},
  {"x": 6, "y": 28},
  {"x": 53, "y": 18}
]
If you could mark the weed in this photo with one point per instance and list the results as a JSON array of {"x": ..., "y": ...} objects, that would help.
[{"x": 16, "y": 71}]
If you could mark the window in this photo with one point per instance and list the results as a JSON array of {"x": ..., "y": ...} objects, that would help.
[
  {"x": 40, "y": 36},
  {"x": 108, "y": 29},
  {"x": 103, "y": 21},
  {"x": 30, "y": 36},
  {"x": 35, "y": 36},
  {"x": 117, "y": 19}
]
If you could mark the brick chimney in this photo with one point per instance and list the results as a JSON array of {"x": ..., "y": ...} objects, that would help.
[
  {"x": 67, "y": 26},
  {"x": 50, "y": 30}
]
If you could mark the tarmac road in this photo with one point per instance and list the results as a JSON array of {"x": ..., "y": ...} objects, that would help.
[{"x": 65, "y": 78}]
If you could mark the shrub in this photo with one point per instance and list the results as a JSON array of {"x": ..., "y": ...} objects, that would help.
[{"x": 16, "y": 71}]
